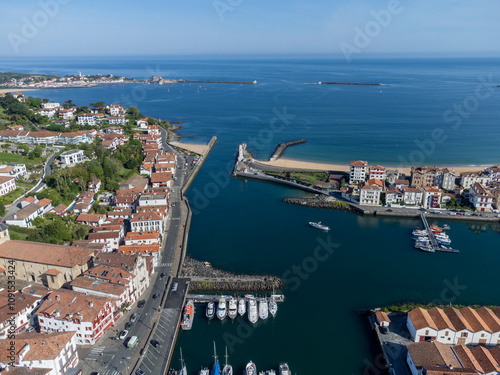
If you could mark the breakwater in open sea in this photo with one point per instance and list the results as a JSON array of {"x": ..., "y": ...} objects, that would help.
[{"x": 242, "y": 226}]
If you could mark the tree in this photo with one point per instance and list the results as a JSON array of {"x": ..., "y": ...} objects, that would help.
[
  {"x": 134, "y": 112},
  {"x": 37, "y": 222},
  {"x": 36, "y": 153},
  {"x": 2, "y": 209},
  {"x": 68, "y": 104},
  {"x": 25, "y": 148}
]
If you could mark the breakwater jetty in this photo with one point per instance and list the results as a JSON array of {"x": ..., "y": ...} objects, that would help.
[
  {"x": 321, "y": 201},
  {"x": 278, "y": 152},
  {"x": 351, "y": 83},
  {"x": 208, "y": 279},
  {"x": 162, "y": 81}
]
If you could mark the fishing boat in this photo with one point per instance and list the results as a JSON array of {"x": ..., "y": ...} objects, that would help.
[
  {"x": 204, "y": 371},
  {"x": 242, "y": 307},
  {"x": 233, "y": 309},
  {"x": 228, "y": 369},
  {"x": 221, "y": 309},
  {"x": 253, "y": 314},
  {"x": 250, "y": 369},
  {"x": 273, "y": 307},
  {"x": 270, "y": 372},
  {"x": 183, "y": 370},
  {"x": 210, "y": 310},
  {"x": 216, "y": 368},
  {"x": 447, "y": 243},
  {"x": 284, "y": 369},
  {"x": 318, "y": 225},
  {"x": 187, "y": 319},
  {"x": 263, "y": 309},
  {"x": 419, "y": 232}
]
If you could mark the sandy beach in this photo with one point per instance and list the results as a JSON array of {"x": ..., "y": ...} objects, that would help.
[
  {"x": 4, "y": 91},
  {"x": 297, "y": 164},
  {"x": 194, "y": 147}
]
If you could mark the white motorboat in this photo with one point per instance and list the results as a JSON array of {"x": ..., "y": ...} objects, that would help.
[
  {"x": 233, "y": 309},
  {"x": 253, "y": 314},
  {"x": 263, "y": 309},
  {"x": 242, "y": 307},
  {"x": 221, "y": 309}
]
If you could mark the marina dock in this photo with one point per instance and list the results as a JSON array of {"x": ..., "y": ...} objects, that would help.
[
  {"x": 205, "y": 298},
  {"x": 432, "y": 238}
]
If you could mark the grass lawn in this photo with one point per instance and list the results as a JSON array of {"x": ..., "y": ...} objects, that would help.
[
  {"x": 306, "y": 177},
  {"x": 12, "y": 196},
  {"x": 6, "y": 158}
]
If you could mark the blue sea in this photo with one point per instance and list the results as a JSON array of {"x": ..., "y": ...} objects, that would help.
[{"x": 427, "y": 111}]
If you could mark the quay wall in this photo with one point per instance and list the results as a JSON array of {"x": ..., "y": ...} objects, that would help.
[
  {"x": 196, "y": 169},
  {"x": 264, "y": 177}
]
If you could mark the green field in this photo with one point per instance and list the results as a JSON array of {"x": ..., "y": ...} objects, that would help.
[
  {"x": 6, "y": 158},
  {"x": 305, "y": 177}
]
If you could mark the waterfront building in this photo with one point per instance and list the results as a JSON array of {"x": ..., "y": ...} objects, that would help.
[
  {"x": 49, "y": 112},
  {"x": 467, "y": 179},
  {"x": 40, "y": 353},
  {"x": 161, "y": 179},
  {"x": 67, "y": 114},
  {"x": 392, "y": 175},
  {"x": 431, "y": 197},
  {"x": 413, "y": 196},
  {"x": 455, "y": 327},
  {"x": 146, "y": 222},
  {"x": 357, "y": 171},
  {"x": 382, "y": 318},
  {"x": 494, "y": 172},
  {"x": 422, "y": 176},
  {"x": 67, "y": 310},
  {"x": 393, "y": 196},
  {"x": 377, "y": 172},
  {"x": 153, "y": 200},
  {"x": 370, "y": 192},
  {"x": 142, "y": 238},
  {"x": 481, "y": 198}
]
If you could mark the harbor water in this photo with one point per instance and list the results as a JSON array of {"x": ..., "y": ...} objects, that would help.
[{"x": 242, "y": 226}]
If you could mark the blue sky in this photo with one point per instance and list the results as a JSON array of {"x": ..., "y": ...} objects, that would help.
[{"x": 246, "y": 27}]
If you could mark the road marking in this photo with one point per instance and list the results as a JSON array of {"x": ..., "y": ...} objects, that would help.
[
  {"x": 159, "y": 338},
  {"x": 147, "y": 367}
]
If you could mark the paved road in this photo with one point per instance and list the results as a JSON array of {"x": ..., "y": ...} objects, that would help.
[
  {"x": 156, "y": 359},
  {"x": 47, "y": 170},
  {"x": 112, "y": 357}
]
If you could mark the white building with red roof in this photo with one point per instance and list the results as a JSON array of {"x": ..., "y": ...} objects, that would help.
[
  {"x": 481, "y": 197},
  {"x": 39, "y": 353},
  {"x": 370, "y": 192},
  {"x": 7, "y": 184},
  {"x": 146, "y": 222},
  {"x": 357, "y": 171},
  {"x": 17, "y": 317},
  {"x": 67, "y": 310},
  {"x": 431, "y": 197}
]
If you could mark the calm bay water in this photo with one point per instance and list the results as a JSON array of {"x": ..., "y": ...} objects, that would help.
[{"x": 242, "y": 225}]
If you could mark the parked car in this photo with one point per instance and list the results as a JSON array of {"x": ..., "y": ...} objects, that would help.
[
  {"x": 123, "y": 334},
  {"x": 155, "y": 343},
  {"x": 141, "y": 304},
  {"x": 128, "y": 326},
  {"x": 134, "y": 317},
  {"x": 163, "y": 275},
  {"x": 174, "y": 287},
  {"x": 156, "y": 296},
  {"x": 139, "y": 372}
]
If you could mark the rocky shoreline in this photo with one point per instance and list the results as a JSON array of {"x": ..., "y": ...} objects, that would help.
[
  {"x": 205, "y": 278},
  {"x": 324, "y": 202}
]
